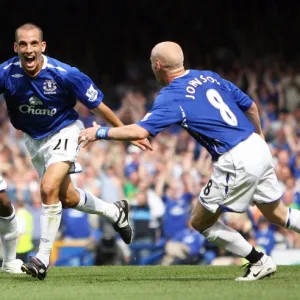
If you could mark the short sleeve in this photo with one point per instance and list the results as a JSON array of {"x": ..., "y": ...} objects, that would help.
[
  {"x": 162, "y": 115},
  {"x": 243, "y": 101},
  {"x": 83, "y": 88}
]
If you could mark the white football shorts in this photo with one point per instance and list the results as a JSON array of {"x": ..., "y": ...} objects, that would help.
[
  {"x": 60, "y": 146},
  {"x": 242, "y": 176}
]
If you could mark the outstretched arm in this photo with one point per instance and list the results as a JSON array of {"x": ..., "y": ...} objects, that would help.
[
  {"x": 121, "y": 133},
  {"x": 110, "y": 117},
  {"x": 128, "y": 133},
  {"x": 157, "y": 119},
  {"x": 107, "y": 114}
]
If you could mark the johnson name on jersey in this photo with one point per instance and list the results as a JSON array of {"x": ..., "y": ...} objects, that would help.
[
  {"x": 209, "y": 107},
  {"x": 42, "y": 105}
]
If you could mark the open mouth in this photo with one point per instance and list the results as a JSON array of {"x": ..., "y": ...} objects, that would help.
[{"x": 29, "y": 61}]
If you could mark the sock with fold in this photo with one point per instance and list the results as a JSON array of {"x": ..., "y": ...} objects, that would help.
[
  {"x": 92, "y": 205},
  {"x": 50, "y": 221},
  {"x": 9, "y": 236},
  {"x": 293, "y": 220},
  {"x": 228, "y": 238}
]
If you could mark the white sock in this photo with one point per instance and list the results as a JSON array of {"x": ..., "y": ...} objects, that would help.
[
  {"x": 293, "y": 220},
  {"x": 50, "y": 221},
  {"x": 228, "y": 239},
  {"x": 92, "y": 205},
  {"x": 9, "y": 236}
]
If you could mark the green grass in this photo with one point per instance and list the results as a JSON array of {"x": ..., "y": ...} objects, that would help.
[{"x": 153, "y": 283}]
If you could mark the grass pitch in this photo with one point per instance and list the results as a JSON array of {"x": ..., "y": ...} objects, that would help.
[{"x": 151, "y": 283}]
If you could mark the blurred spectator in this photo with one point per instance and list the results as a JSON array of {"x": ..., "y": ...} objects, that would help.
[
  {"x": 133, "y": 107},
  {"x": 184, "y": 247},
  {"x": 111, "y": 185},
  {"x": 69, "y": 228},
  {"x": 108, "y": 249},
  {"x": 25, "y": 229},
  {"x": 131, "y": 185},
  {"x": 35, "y": 209},
  {"x": 178, "y": 207},
  {"x": 264, "y": 235},
  {"x": 294, "y": 165},
  {"x": 132, "y": 161},
  {"x": 291, "y": 86},
  {"x": 141, "y": 218},
  {"x": 156, "y": 209}
]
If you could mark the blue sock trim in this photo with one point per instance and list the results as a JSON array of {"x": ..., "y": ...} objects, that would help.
[
  {"x": 227, "y": 180},
  {"x": 85, "y": 198},
  {"x": 75, "y": 172}
]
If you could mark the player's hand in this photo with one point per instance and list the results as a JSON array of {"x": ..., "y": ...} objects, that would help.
[
  {"x": 88, "y": 135},
  {"x": 143, "y": 144}
]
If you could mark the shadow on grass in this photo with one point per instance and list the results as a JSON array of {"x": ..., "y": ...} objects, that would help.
[{"x": 106, "y": 279}]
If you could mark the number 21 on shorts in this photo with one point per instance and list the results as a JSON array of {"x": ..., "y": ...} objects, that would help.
[{"x": 61, "y": 144}]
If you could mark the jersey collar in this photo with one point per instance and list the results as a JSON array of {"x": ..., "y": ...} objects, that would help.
[
  {"x": 45, "y": 58},
  {"x": 45, "y": 62},
  {"x": 185, "y": 73}
]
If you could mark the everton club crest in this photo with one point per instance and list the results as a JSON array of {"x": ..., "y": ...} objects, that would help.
[{"x": 49, "y": 87}]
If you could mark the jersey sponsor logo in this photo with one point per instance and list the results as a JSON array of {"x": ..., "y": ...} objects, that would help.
[
  {"x": 49, "y": 87},
  {"x": 33, "y": 108},
  {"x": 92, "y": 94},
  {"x": 17, "y": 75},
  {"x": 35, "y": 101}
]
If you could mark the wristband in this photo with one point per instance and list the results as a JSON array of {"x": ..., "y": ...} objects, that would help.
[{"x": 102, "y": 133}]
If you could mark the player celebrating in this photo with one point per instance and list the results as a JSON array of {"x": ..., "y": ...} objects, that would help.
[
  {"x": 226, "y": 122},
  {"x": 40, "y": 94}
]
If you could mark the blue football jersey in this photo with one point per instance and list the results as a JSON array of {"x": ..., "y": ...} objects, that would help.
[
  {"x": 208, "y": 107},
  {"x": 44, "y": 104}
]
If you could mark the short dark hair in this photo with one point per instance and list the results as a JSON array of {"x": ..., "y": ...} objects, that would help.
[{"x": 29, "y": 26}]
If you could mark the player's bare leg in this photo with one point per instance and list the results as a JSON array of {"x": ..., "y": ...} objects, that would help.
[
  {"x": 50, "y": 218},
  {"x": 207, "y": 223},
  {"x": 277, "y": 213},
  {"x": 202, "y": 218},
  {"x": 9, "y": 236},
  {"x": 85, "y": 201}
]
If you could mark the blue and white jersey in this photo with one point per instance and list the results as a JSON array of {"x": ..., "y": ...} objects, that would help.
[
  {"x": 208, "y": 107},
  {"x": 42, "y": 105}
]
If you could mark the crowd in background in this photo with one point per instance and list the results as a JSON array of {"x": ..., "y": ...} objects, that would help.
[{"x": 162, "y": 186}]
